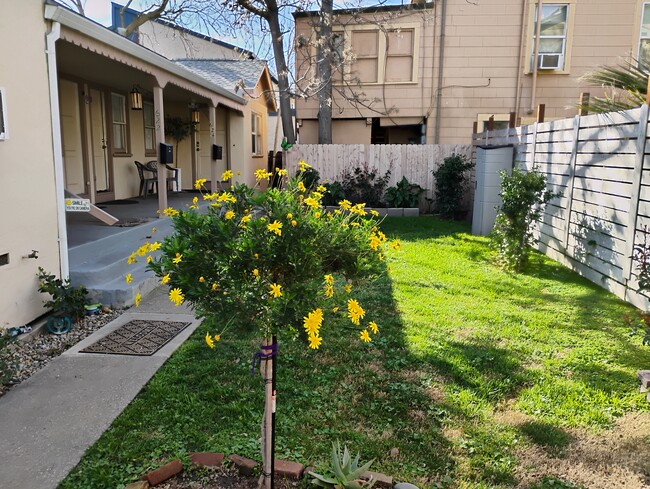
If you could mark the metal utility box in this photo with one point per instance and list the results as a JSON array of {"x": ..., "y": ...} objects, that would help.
[
  {"x": 490, "y": 160},
  {"x": 166, "y": 154}
]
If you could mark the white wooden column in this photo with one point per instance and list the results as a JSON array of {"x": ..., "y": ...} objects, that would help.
[
  {"x": 214, "y": 182},
  {"x": 159, "y": 114}
]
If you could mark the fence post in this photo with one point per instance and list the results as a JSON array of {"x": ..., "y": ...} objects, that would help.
[
  {"x": 541, "y": 110},
  {"x": 636, "y": 189},
  {"x": 570, "y": 183},
  {"x": 584, "y": 103},
  {"x": 534, "y": 144}
]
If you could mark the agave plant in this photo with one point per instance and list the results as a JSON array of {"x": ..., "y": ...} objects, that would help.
[
  {"x": 346, "y": 471},
  {"x": 625, "y": 86}
]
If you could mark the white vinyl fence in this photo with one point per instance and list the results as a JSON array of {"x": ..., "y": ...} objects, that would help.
[
  {"x": 601, "y": 165},
  {"x": 416, "y": 162}
]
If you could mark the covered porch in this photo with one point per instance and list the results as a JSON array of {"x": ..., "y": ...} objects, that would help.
[{"x": 114, "y": 99}]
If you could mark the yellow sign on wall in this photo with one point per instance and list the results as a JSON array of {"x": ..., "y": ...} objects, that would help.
[{"x": 77, "y": 205}]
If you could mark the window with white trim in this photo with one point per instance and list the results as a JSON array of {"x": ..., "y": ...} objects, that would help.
[
  {"x": 118, "y": 116},
  {"x": 256, "y": 132},
  {"x": 149, "y": 129},
  {"x": 644, "y": 37},
  {"x": 4, "y": 133},
  {"x": 552, "y": 36}
]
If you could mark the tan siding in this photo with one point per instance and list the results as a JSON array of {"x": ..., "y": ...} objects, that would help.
[
  {"x": 482, "y": 42},
  {"x": 27, "y": 192}
]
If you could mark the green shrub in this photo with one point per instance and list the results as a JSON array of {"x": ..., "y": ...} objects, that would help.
[
  {"x": 404, "y": 194},
  {"x": 334, "y": 193},
  {"x": 451, "y": 179},
  {"x": 363, "y": 185},
  {"x": 262, "y": 256},
  {"x": 66, "y": 299},
  {"x": 524, "y": 195}
]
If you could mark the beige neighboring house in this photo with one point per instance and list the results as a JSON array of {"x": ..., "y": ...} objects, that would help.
[
  {"x": 67, "y": 125},
  {"x": 487, "y": 50}
]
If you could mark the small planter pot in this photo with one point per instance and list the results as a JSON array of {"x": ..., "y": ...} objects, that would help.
[{"x": 59, "y": 324}]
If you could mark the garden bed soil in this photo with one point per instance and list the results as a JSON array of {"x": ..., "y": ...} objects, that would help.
[{"x": 221, "y": 478}]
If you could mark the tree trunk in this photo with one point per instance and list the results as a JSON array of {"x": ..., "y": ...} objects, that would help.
[
  {"x": 283, "y": 72},
  {"x": 325, "y": 57}
]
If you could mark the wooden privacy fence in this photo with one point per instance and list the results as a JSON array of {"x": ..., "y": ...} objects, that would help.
[
  {"x": 601, "y": 165},
  {"x": 416, "y": 162}
]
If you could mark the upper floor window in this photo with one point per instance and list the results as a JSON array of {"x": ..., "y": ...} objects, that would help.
[
  {"x": 399, "y": 55},
  {"x": 119, "y": 122},
  {"x": 384, "y": 56},
  {"x": 4, "y": 133},
  {"x": 149, "y": 129},
  {"x": 552, "y": 36},
  {"x": 365, "y": 46},
  {"x": 644, "y": 38},
  {"x": 256, "y": 132}
]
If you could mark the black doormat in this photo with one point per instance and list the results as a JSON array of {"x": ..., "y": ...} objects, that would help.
[
  {"x": 121, "y": 202},
  {"x": 138, "y": 337}
]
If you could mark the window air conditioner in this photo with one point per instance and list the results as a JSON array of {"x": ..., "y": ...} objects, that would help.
[{"x": 547, "y": 61}]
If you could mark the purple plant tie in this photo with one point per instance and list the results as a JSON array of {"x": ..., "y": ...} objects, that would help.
[{"x": 257, "y": 358}]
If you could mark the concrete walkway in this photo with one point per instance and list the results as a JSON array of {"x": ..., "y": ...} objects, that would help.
[{"x": 48, "y": 421}]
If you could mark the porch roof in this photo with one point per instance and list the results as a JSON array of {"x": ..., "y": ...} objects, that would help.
[{"x": 112, "y": 40}]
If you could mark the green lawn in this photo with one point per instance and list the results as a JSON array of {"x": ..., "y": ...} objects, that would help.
[{"x": 462, "y": 347}]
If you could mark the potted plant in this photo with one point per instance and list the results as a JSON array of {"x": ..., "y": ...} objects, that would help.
[{"x": 67, "y": 302}]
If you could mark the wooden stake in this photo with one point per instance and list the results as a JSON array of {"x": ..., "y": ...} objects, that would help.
[
  {"x": 513, "y": 120},
  {"x": 475, "y": 127},
  {"x": 266, "y": 368},
  {"x": 491, "y": 123},
  {"x": 540, "y": 112},
  {"x": 584, "y": 103}
]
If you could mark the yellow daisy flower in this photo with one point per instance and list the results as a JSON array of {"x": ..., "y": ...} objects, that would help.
[
  {"x": 365, "y": 336},
  {"x": 138, "y": 298},
  {"x": 373, "y": 327},
  {"x": 229, "y": 215},
  {"x": 176, "y": 296},
  {"x": 209, "y": 340},
  {"x": 199, "y": 183},
  {"x": 275, "y": 227},
  {"x": 178, "y": 259},
  {"x": 128, "y": 278},
  {"x": 314, "y": 342},
  {"x": 276, "y": 290},
  {"x": 165, "y": 279}
]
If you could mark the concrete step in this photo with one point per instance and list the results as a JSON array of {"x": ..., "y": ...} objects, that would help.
[{"x": 101, "y": 266}]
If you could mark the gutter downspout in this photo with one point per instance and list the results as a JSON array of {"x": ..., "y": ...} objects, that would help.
[
  {"x": 57, "y": 146},
  {"x": 521, "y": 56},
  {"x": 441, "y": 58},
  {"x": 538, "y": 30}
]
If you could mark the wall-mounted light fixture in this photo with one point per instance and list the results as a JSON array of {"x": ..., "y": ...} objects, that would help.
[
  {"x": 195, "y": 115},
  {"x": 136, "y": 99}
]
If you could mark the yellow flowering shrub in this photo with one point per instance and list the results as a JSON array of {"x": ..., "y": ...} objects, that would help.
[{"x": 275, "y": 259}]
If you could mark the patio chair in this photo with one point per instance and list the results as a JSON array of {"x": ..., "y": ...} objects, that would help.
[
  {"x": 153, "y": 166},
  {"x": 147, "y": 178}
]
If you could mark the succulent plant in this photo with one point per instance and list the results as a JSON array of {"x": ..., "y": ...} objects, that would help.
[{"x": 346, "y": 471}]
